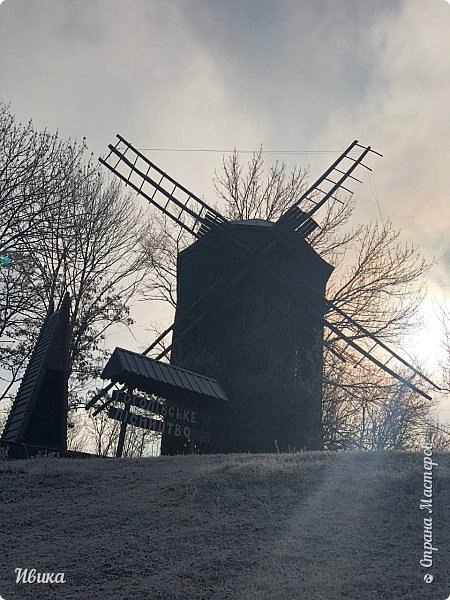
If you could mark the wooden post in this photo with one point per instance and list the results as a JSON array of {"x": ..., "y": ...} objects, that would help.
[{"x": 123, "y": 424}]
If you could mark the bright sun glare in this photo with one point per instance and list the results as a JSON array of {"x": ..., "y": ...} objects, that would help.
[{"x": 427, "y": 344}]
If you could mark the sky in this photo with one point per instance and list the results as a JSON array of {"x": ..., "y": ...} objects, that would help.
[{"x": 288, "y": 74}]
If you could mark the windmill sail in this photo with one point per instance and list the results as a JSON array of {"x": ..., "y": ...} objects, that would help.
[
  {"x": 162, "y": 191},
  {"x": 295, "y": 219},
  {"x": 198, "y": 218}
]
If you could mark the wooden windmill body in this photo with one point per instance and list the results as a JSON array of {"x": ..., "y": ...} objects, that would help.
[{"x": 265, "y": 349}]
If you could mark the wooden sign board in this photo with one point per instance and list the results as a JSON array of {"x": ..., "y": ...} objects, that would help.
[{"x": 169, "y": 418}]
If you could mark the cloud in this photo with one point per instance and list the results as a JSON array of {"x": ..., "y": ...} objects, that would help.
[
  {"x": 301, "y": 75},
  {"x": 111, "y": 66},
  {"x": 291, "y": 74},
  {"x": 404, "y": 114},
  {"x": 295, "y": 62}
]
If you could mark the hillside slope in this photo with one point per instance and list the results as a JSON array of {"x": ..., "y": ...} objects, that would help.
[{"x": 313, "y": 526}]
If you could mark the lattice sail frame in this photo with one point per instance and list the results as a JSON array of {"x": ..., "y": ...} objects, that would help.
[
  {"x": 295, "y": 219},
  {"x": 162, "y": 191},
  {"x": 198, "y": 218}
]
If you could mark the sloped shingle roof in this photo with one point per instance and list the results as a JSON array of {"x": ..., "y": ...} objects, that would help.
[{"x": 161, "y": 379}]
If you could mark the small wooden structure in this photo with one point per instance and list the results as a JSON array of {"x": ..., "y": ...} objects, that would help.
[
  {"x": 38, "y": 416},
  {"x": 184, "y": 405}
]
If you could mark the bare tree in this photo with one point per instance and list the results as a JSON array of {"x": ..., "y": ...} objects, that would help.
[
  {"x": 94, "y": 253},
  {"x": 34, "y": 169},
  {"x": 380, "y": 285},
  {"x": 438, "y": 436},
  {"x": 444, "y": 313},
  {"x": 103, "y": 433},
  {"x": 141, "y": 442},
  {"x": 249, "y": 192},
  {"x": 161, "y": 244},
  {"x": 78, "y": 438},
  {"x": 4, "y": 410},
  {"x": 81, "y": 235},
  {"x": 439, "y": 432},
  {"x": 34, "y": 165},
  {"x": 397, "y": 421}
]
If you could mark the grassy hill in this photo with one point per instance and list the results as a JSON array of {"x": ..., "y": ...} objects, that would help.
[{"x": 312, "y": 526}]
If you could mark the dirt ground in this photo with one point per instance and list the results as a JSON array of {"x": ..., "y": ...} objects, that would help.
[{"x": 309, "y": 526}]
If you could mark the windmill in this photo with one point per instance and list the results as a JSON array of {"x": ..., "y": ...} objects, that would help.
[{"x": 251, "y": 308}]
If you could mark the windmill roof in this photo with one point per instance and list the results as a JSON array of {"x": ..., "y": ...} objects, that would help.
[{"x": 258, "y": 222}]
